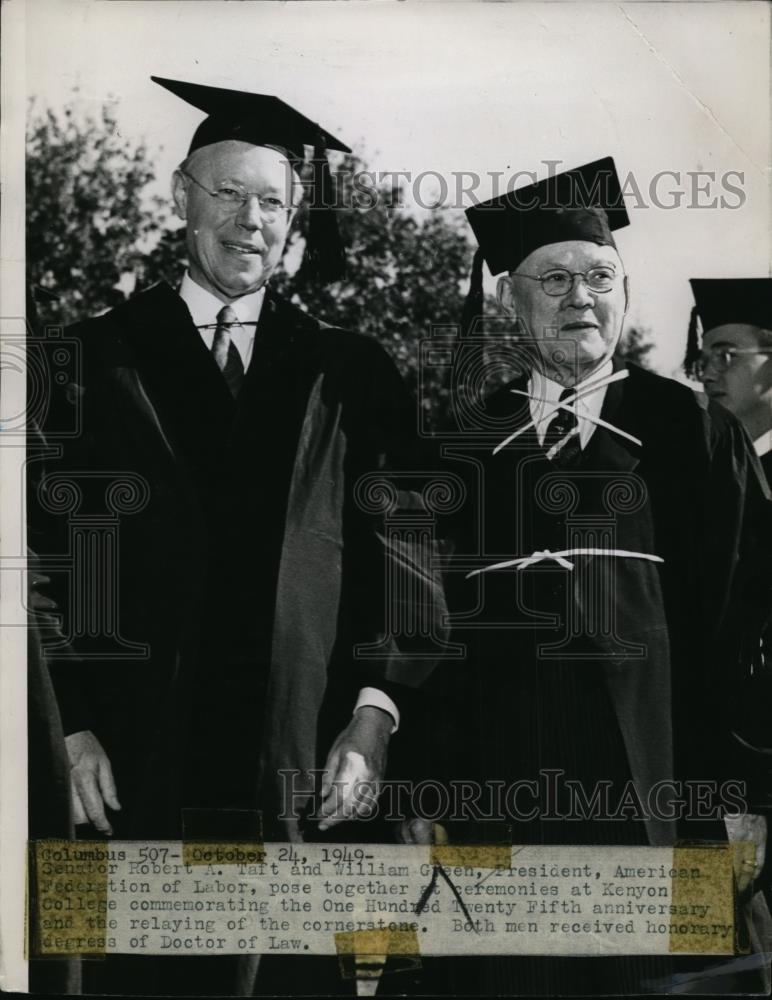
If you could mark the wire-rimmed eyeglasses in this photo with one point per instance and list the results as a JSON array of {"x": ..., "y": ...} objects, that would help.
[
  {"x": 722, "y": 358},
  {"x": 560, "y": 281},
  {"x": 234, "y": 195}
]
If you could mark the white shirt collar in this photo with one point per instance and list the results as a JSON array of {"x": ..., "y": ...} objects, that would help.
[
  {"x": 203, "y": 308},
  {"x": 763, "y": 445},
  {"x": 545, "y": 393}
]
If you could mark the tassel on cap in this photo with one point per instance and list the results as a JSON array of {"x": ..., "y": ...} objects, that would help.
[
  {"x": 693, "y": 344},
  {"x": 325, "y": 252},
  {"x": 474, "y": 302}
]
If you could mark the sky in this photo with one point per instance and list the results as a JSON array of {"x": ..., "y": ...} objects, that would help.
[{"x": 667, "y": 89}]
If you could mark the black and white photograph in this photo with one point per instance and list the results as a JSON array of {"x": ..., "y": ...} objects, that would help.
[{"x": 386, "y": 498}]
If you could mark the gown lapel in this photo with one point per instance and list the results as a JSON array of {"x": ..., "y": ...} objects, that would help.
[{"x": 607, "y": 451}]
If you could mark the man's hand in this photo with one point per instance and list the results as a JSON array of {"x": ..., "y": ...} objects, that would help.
[
  {"x": 421, "y": 831},
  {"x": 91, "y": 781},
  {"x": 37, "y": 601},
  {"x": 355, "y": 766},
  {"x": 748, "y": 828}
]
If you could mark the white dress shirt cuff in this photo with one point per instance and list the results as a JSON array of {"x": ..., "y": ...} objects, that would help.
[{"x": 375, "y": 698}]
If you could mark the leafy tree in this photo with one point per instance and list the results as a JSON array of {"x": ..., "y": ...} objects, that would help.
[
  {"x": 636, "y": 345},
  {"x": 406, "y": 277},
  {"x": 167, "y": 262},
  {"x": 89, "y": 220}
]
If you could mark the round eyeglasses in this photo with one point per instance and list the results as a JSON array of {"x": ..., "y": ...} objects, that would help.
[
  {"x": 721, "y": 359},
  {"x": 234, "y": 195},
  {"x": 560, "y": 281}
]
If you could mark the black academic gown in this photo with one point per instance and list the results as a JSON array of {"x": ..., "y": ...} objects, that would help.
[
  {"x": 752, "y": 730},
  {"x": 766, "y": 465},
  {"x": 245, "y": 571},
  {"x": 632, "y": 693},
  {"x": 49, "y": 813},
  {"x": 49, "y": 808}
]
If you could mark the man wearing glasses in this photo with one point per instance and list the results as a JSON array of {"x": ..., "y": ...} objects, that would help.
[
  {"x": 735, "y": 363},
  {"x": 246, "y": 572},
  {"x": 729, "y": 349},
  {"x": 596, "y": 567}
]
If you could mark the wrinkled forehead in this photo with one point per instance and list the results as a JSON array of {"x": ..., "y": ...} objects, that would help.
[
  {"x": 733, "y": 335},
  {"x": 242, "y": 161},
  {"x": 571, "y": 254}
]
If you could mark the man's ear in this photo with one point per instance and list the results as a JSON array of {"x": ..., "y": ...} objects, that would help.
[
  {"x": 505, "y": 296},
  {"x": 297, "y": 192},
  {"x": 180, "y": 194},
  {"x": 627, "y": 293}
]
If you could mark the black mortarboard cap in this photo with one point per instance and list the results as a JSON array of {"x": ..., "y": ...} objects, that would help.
[
  {"x": 256, "y": 118},
  {"x": 733, "y": 300},
  {"x": 719, "y": 301},
  {"x": 581, "y": 204},
  {"x": 263, "y": 120}
]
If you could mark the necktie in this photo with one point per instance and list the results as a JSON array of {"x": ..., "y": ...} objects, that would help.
[
  {"x": 224, "y": 351},
  {"x": 561, "y": 424}
]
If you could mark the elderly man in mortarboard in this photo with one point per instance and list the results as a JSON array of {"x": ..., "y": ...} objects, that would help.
[
  {"x": 246, "y": 571},
  {"x": 599, "y": 558}
]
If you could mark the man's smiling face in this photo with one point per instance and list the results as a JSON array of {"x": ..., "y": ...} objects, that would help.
[
  {"x": 232, "y": 249},
  {"x": 579, "y": 328}
]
